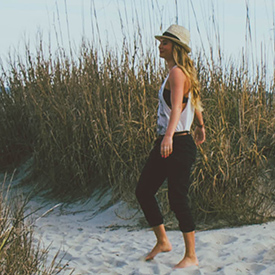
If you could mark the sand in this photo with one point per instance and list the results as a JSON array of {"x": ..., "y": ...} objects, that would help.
[
  {"x": 93, "y": 239},
  {"x": 96, "y": 241}
]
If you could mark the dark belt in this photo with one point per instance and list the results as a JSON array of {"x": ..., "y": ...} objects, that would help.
[
  {"x": 176, "y": 134},
  {"x": 182, "y": 133}
]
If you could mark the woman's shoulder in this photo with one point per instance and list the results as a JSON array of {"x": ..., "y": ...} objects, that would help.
[
  {"x": 177, "y": 73},
  {"x": 178, "y": 77}
]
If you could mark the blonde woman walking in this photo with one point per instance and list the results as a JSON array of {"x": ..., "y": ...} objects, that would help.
[{"x": 174, "y": 151}]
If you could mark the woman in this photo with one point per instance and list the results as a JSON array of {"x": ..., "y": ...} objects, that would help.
[{"x": 174, "y": 151}]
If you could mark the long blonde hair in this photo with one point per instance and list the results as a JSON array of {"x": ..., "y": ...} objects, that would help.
[{"x": 185, "y": 63}]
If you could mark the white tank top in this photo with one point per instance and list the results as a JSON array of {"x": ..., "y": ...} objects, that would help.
[{"x": 164, "y": 112}]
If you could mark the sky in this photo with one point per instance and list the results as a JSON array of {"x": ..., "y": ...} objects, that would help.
[{"x": 235, "y": 25}]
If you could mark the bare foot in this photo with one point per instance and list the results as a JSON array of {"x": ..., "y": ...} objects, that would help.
[
  {"x": 187, "y": 262},
  {"x": 159, "y": 247}
]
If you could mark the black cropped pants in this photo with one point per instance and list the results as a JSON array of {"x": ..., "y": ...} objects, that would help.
[{"x": 176, "y": 168}]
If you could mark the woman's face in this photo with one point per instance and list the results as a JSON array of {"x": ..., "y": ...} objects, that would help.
[{"x": 165, "y": 49}]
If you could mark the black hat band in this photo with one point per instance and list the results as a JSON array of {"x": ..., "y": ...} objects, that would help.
[{"x": 170, "y": 35}]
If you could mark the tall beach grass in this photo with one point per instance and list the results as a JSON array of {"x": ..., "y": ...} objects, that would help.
[
  {"x": 20, "y": 252},
  {"x": 89, "y": 121}
]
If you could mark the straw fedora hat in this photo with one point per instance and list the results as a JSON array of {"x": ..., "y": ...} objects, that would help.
[{"x": 177, "y": 34}]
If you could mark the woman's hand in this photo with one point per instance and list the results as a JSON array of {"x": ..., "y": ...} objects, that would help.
[
  {"x": 166, "y": 147},
  {"x": 199, "y": 135}
]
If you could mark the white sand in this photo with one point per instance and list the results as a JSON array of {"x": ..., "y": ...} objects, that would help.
[
  {"x": 98, "y": 242},
  {"x": 95, "y": 240}
]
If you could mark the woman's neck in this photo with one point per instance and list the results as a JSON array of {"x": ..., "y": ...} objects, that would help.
[{"x": 171, "y": 64}]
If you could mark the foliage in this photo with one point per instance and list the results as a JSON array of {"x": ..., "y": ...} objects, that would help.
[
  {"x": 89, "y": 121},
  {"x": 19, "y": 252}
]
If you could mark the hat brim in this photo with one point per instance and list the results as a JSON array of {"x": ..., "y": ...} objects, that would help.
[{"x": 186, "y": 47}]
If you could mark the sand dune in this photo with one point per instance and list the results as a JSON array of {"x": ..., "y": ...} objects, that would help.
[{"x": 96, "y": 241}]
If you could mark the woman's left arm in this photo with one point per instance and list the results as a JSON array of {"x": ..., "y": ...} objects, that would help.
[
  {"x": 177, "y": 81},
  {"x": 199, "y": 133}
]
